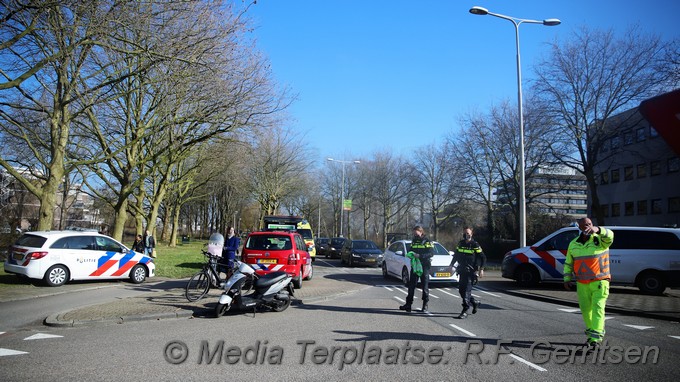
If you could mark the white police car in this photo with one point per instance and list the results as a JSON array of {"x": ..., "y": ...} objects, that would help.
[{"x": 60, "y": 256}]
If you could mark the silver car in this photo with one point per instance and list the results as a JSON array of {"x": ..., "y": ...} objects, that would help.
[{"x": 395, "y": 263}]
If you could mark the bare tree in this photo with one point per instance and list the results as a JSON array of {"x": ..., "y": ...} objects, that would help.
[
  {"x": 394, "y": 188},
  {"x": 45, "y": 50},
  {"x": 588, "y": 79},
  {"x": 278, "y": 158},
  {"x": 438, "y": 181}
]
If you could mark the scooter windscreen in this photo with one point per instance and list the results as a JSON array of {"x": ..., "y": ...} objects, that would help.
[{"x": 215, "y": 244}]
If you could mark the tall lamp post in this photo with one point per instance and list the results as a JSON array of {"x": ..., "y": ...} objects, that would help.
[
  {"x": 342, "y": 191},
  {"x": 522, "y": 192}
]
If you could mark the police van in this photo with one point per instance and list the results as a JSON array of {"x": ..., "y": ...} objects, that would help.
[{"x": 645, "y": 257}]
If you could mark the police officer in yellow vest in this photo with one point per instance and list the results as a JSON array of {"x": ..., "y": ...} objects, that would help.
[
  {"x": 587, "y": 263},
  {"x": 423, "y": 250}
]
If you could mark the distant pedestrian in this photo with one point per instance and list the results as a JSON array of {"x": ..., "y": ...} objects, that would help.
[
  {"x": 149, "y": 244},
  {"x": 138, "y": 245},
  {"x": 421, "y": 261},
  {"x": 587, "y": 263},
  {"x": 471, "y": 260}
]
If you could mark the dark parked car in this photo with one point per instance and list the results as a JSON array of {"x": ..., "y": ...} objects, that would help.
[
  {"x": 361, "y": 252},
  {"x": 335, "y": 247},
  {"x": 322, "y": 245}
]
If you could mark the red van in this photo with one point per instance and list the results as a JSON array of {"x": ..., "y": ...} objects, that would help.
[{"x": 270, "y": 251}]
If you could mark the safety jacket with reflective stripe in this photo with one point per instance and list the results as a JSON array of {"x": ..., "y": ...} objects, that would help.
[
  {"x": 469, "y": 256},
  {"x": 589, "y": 261},
  {"x": 424, "y": 248}
]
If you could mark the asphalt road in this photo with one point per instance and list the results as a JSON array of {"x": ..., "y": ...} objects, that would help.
[{"x": 356, "y": 336}]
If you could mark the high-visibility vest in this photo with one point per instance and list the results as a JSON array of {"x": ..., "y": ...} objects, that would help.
[{"x": 589, "y": 261}]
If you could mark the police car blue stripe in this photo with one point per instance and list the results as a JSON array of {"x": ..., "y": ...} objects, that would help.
[
  {"x": 125, "y": 259},
  {"x": 102, "y": 260}
]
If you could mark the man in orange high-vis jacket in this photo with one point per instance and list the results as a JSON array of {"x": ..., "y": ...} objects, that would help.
[{"x": 587, "y": 263}]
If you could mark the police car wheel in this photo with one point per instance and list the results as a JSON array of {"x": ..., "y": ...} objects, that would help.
[
  {"x": 56, "y": 276},
  {"x": 138, "y": 274},
  {"x": 527, "y": 276},
  {"x": 651, "y": 282}
]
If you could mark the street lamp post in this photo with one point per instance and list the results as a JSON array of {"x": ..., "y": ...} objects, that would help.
[
  {"x": 342, "y": 187},
  {"x": 522, "y": 191}
]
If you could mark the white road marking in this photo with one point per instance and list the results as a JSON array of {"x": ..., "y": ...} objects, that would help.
[
  {"x": 398, "y": 299},
  {"x": 527, "y": 362},
  {"x": 4, "y": 352},
  {"x": 489, "y": 293},
  {"x": 639, "y": 327},
  {"x": 450, "y": 294},
  {"x": 569, "y": 310},
  {"x": 388, "y": 288},
  {"x": 41, "y": 336},
  {"x": 676, "y": 337},
  {"x": 463, "y": 330},
  {"x": 1, "y": 333}
]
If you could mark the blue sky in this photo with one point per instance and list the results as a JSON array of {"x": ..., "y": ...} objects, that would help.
[{"x": 396, "y": 75}]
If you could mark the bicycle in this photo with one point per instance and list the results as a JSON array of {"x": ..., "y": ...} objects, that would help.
[{"x": 200, "y": 283}]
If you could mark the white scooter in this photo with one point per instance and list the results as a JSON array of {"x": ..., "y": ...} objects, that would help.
[{"x": 245, "y": 290}]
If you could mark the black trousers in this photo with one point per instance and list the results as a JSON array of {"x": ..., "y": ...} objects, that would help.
[
  {"x": 413, "y": 281},
  {"x": 465, "y": 290}
]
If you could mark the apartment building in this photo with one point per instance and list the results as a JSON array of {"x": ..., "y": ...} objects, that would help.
[{"x": 639, "y": 182}]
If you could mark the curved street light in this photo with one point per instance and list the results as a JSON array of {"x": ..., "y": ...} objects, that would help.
[{"x": 522, "y": 188}]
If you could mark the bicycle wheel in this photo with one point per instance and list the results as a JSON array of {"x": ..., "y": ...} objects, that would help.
[{"x": 197, "y": 286}]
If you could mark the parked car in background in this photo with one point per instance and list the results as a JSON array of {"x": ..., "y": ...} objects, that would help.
[
  {"x": 322, "y": 246},
  {"x": 335, "y": 247},
  {"x": 60, "y": 256},
  {"x": 395, "y": 263},
  {"x": 646, "y": 257},
  {"x": 271, "y": 251},
  {"x": 361, "y": 252}
]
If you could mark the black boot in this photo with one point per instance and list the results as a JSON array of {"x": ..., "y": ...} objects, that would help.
[
  {"x": 462, "y": 315},
  {"x": 406, "y": 307},
  {"x": 475, "y": 305},
  {"x": 424, "y": 308}
]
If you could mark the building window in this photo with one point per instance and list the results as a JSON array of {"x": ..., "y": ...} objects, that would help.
[
  {"x": 674, "y": 204},
  {"x": 629, "y": 209},
  {"x": 642, "y": 170},
  {"x": 616, "y": 209},
  {"x": 615, "y": 176},
  {"x": 616, "y": 142},
  {"x": 628, "y": 173},
  {"x": 628, "y": 138},
  {"x": 605, "y": 146},
  {"x": 605, "y": 210},
  {"x": 642, "y": 207},
  {"x": 641, "y": 134},
  {"x": 652, "y": 132},
  {"x": 674, "y": 164},
  {"x": 604, "y": 178},
  {"x": 655, "y": 168},
  {"x": 656, "y": 206}
]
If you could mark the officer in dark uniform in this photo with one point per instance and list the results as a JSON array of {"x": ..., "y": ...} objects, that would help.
[
  {"x": 471, "y": 261},
  {"x": 424, "y": 250}
]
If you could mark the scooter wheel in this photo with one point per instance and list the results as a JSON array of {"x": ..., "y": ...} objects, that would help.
[
  {"x": 282, "y": 306},
  {"x": 221, "y": 309}
]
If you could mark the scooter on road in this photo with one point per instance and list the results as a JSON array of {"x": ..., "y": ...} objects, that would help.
[{"x": 246, "y": 290}]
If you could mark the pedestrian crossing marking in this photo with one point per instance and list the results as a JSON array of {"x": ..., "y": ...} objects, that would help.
[
  {"x": 676, "y": 337},
  {"x": 41, "y": 336},
  {"x": 639, "y": 327},
  {"x": 4, "y": 352},
  {"x": 570, "y": 310},
  {"x": 463, "y": 330}
]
